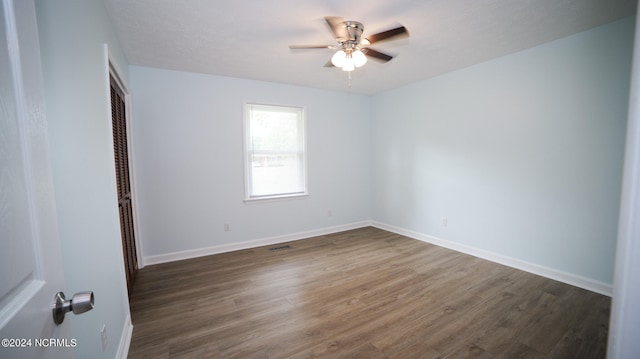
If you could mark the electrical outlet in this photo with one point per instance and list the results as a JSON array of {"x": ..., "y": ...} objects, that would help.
[
  {"x": 103, "y": 337},
  {"x": 227, "y": 228},
  {"x": 445, "y": 222},
  {"x": 329, "y": 213}
]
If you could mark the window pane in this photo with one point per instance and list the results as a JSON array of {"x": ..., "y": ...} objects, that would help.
[
  {"x": 277, "y": 174},
  {"x": 275, "y": 151},
  {"x": 274, "y": 131}
]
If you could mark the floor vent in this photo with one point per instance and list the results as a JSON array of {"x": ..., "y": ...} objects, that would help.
[{"x": 280, "y": 248}]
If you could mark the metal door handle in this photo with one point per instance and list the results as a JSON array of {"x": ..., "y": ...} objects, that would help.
[{"x": 80, "y": 303}]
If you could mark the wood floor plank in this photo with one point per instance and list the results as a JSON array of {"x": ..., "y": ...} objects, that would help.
[{"x": 365, "y": 293}]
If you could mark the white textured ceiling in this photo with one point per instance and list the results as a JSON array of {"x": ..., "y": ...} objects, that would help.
[{"x": 250, "y": 38}]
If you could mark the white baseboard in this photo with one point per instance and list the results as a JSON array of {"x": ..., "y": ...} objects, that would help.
[
  {"x": 551, "y": 273},
  {"x": 200, "y": 252},
  {"x": 125, "y": 338}
]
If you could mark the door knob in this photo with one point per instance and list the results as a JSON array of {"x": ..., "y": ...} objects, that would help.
[{"x": 80, "y": 303}]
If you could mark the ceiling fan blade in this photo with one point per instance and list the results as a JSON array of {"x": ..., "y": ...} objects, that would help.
[
  {"x": 377, "y": 55},
  {"x": 389, "y": 34},
  {"x": 336, "y": 23},
  {"x": 302, "y": 47}
]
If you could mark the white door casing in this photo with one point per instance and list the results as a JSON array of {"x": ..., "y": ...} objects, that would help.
[{"x": 30, "y": 255}]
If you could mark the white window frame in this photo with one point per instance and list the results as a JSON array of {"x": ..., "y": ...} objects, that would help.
[{"x": 248, "y": 151}]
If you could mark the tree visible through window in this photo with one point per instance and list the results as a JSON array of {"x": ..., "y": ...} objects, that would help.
[{"x": 275, "y": 158}]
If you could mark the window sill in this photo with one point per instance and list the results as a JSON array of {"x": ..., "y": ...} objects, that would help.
[{"x": 277, "y": 198}]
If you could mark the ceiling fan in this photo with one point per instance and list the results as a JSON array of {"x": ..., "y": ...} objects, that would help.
[{"x": 353, "y": 49}]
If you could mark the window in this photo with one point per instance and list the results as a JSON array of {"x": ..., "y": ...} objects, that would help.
[{"x": 275, "y": 155}]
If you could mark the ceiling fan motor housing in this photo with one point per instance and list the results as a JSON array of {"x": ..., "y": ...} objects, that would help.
[{"x": 354, "y": 29}]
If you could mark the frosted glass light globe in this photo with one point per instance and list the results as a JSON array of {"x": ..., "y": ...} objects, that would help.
[
  {"x": 338, "y": 58},
  {"x": 349, "y": 64},
  {"x": 359, "y": 58}
]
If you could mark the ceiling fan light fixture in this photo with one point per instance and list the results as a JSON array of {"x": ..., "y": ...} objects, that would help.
[{"x": 348, "y": 60}]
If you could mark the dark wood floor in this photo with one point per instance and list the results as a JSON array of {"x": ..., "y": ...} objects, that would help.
[{"x": 364, "y": 293}]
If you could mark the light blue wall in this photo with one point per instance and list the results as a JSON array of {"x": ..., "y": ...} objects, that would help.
[
  {"x": 522, "y": 154},
  {"x": 72, "y": 34},
  {"x": 189, "y": 160}
]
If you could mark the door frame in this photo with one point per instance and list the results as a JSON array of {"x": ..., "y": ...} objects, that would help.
[{"x": 114, "y": 71}]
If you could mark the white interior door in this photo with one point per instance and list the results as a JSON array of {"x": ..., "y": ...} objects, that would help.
[{"x": 30, "y": 255}]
